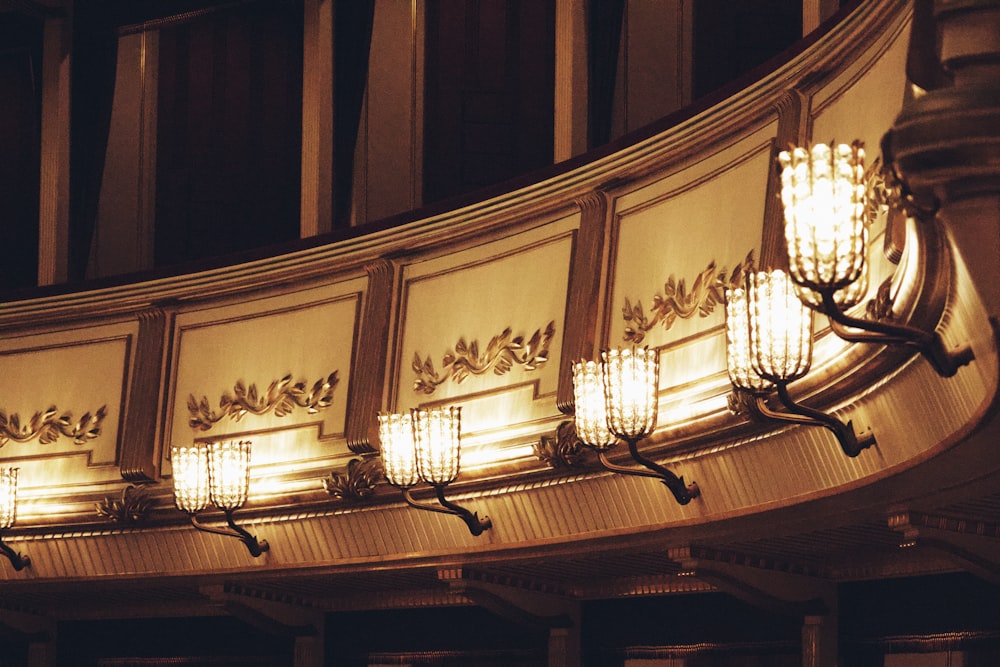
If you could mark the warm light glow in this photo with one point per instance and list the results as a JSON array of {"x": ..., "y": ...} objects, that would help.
[
  {"x": 229, "y": 473},
  {"x": 741, "y": 372},
  {"x": 190, "y": 472},
  {"x": 631, "y": 387},
  {"x": 591, "y": 411},
  {"x": 823, "y": 193},
  {"x": 780, "y": 327},
  {"x": 8, "y": 497},
  {"x": 437, "y": 435},
  {"x": 399, "y": 454}
]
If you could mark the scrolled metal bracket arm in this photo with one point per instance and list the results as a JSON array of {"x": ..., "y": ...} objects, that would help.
[
  {"x": 476, "y": 525},
  {"x": 855, "y": 330},
  {"x": 849, "y": 441},
  {"x": 19, "y": 561},
  {"x": 255, "y": 547},
  {"x": 684, "y": 493}
]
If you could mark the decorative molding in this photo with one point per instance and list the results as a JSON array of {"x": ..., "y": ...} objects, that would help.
[
  {"x": 131, "y": 508},
  {"x": 48, "y": 425},
  {"x": 281, "y": 396},
  {"x": 794, "y": 126},
  {"x": 563, "y": 450},
  {"x": 501, "y": 354},
  {"x": 584, "y": 291},
  {"x": 707, "y": 292},
  {"x": 368, "y": 379},
  {"x": 139, "y": 433},
  {"x": 357, "y": 482}
]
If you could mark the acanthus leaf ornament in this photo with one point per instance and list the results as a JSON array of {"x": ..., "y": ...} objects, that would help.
[
  {"x": 707, "y": 291},
  {"x": 131, "y": 508},
  {"x": 563, "y": 450},
  {"x": 357, "y": 482},
  {"x": 48, "y": 426},
  {"x": 281, "y": 397},
  {"x": 502, "y": 353}
]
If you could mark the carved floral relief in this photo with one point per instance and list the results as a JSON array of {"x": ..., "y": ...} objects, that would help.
[
  {"x": 281, "y": 397},
  {"x": 678, "y": 301},
  {"x": 500, "y": 355}
]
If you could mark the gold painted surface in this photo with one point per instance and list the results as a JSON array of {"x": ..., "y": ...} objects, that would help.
[
  {"x": 281, "y": 397},
  {"x": 48, "y": 425},
  {"x": 503, "y": 352},
  {"x": 709, "y": 213},
  {"x": 707, "y": 292},
  {"x": 480, "y": 291},
  {"x": 302, "y": 334}
]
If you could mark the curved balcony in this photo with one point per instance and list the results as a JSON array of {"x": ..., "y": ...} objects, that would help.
[{"x": 486, "y": 307}]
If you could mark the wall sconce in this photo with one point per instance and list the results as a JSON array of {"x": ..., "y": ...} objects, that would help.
[
  {"x": 218, "y": 472},
  {"x": 823, "y": 193},
  {"x": 425, "y": 445},
  {"x": 8, "y": 513},
  {"x": 769, "y": 344},
  {"x": 618, "y": 400}
]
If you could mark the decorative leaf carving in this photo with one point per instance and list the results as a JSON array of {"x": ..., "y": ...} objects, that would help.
[
  {"x": 564, "y": 450},
  {"x": 502, "y": 353},
  {"x": 281, "y": 397},
  {"x": 48, "y": 425},
  {"x": 706, "y": 292},
  {"x": 131, "y": 508},
  {"x": 878, "y": 193},
  {"x": 357, "y": 482}
]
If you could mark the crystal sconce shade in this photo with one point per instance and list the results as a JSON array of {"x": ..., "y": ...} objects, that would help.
[
  {"x": 591, "y": 413},
  {"x": 631, "y": 387},
  {"x": 768, "y": 345},
  {"x": 425, "y": 445},
  {"x": 741, "y": 371},
  {"x": 190, "y": 465},
  {"x": 218, "y": 472},
  {"x": 823, "y": 192},
  {"x": 8, "y": 514},
  {"x": 618, "y": 400},
  {"x": 229, "y": 473},
  {"x": 824, "y": 197},
  {"x": 780, "y": 328},
  {"x": 437, "y": 435},
  {"x": 399, "y": 455}
]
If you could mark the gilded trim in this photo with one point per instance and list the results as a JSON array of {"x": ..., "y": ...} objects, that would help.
[
  {"x": 48, "y": 425},
  {"x": 501, "y": 354},
  {"x": 707, "y": 292},
  {"x": 281, "y": 397}
]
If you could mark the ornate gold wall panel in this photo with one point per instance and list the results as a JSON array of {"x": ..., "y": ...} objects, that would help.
[{"x": 224, "y": 352}]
